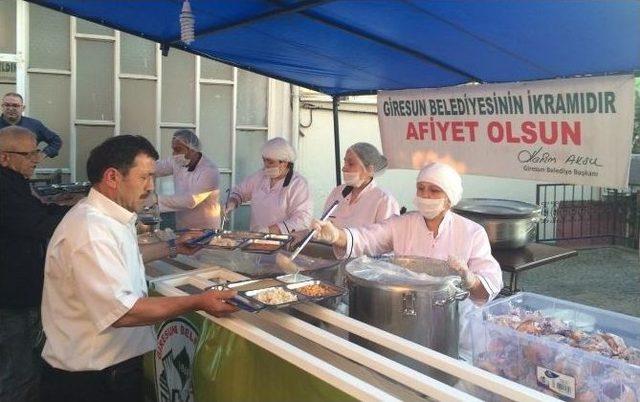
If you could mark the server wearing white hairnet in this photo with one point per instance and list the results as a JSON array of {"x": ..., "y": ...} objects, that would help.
[
  {"x": 196, "y": 181},
  {"x": 432, "y": 231},
  {"x": 361, "y": 201},
  {"x": 279, "y": 196}
]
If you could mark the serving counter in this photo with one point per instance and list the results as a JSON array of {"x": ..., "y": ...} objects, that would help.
[{"x": 291, "y": 354}]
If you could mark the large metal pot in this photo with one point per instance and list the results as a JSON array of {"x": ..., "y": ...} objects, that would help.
[
  {"x": 324, "y": 251},
  {"x": 509, "y": 224},
  {"x": 423, "y": 312}
]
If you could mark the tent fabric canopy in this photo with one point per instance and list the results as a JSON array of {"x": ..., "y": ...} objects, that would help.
[{"x": 350, "y": 47}]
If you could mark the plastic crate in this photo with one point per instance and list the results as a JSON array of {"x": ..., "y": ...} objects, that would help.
[{"x": 549, "y": 363}]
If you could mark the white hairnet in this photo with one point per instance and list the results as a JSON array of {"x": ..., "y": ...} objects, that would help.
[
  {"x": 369, "y": 156},
  {"x": 188, "y": 138},
  {"x": 279, "y": 149},
  {"x": 445, "y": 177}
]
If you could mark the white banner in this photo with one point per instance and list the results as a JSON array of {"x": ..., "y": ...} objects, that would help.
[{"x": 564, "y": 130}]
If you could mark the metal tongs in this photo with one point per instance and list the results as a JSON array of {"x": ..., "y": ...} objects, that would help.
[
  {"x": 224, "y": 214},
  {"x": 309, "y": 235},
  {"x": 286, "y": 263}
]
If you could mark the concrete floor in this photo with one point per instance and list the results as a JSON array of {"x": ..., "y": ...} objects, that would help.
[{"x": 604, "y": 277}]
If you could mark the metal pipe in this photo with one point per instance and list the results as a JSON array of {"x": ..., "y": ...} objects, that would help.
[
  {"x": 336, "y": 138},
  {"x": 295, "y": 116}
]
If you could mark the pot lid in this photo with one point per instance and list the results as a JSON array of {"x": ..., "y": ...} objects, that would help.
[
  {"x": 497, "y": 207},
  {"x": 402, "y": 271}
]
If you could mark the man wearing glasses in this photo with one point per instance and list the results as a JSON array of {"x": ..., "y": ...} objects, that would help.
[
  {"x": 25, "y": 227},
  {"x": 12, "y": 108}
]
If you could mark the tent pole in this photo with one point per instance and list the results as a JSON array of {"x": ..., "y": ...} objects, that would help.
[{"x": 336, "y": 138}]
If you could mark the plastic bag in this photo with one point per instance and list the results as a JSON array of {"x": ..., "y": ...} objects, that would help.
[{"x": 383, "y": 271}]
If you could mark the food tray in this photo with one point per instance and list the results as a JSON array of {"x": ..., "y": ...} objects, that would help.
[
  {"x": 190, "y": 289},
  {"x": 202, "y": 240},
  {"x": 293, "y": 278},
  {"x": 149, "y": 220},
  {"x": 48, "y": 190},
  {"x": 226, "y": 243},
  {"x": 572, "y": 351},
  {"x": 249, "y": 292},
  {"x": 242, "y": 235},
  {"x": 316, "y": 290},
  {"x": 285, "y": 238},
  {"x": 262, "y": 246},
  {"x": 70, "y": 188},
  {"x": 261, "y": 296},
  {"x": 255, "y": 284}
]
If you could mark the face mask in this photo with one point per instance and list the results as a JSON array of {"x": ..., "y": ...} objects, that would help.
[
  {"x": 272, "y": 172},
  {"x": 352, "y": 179},
  {"x": 181, "y": 160},
  {"x": 428, "y": 207}
]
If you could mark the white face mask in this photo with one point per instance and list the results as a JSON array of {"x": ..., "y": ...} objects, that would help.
[
  {"x": 352, "y": 179},
  {"x": 272, "y": 172},
  {"x": 181, "y": 160},
  {"x": 429, "y": 207}
]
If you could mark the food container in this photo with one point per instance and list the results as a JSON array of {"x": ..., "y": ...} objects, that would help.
[
  {"x": 412, "y": 297},
  {"x": 246, "y": 286},
  {"x": 69, "y": 188},
  {"x": 226, "y": 243},
  {"x": 262, "y": 246},
  {"x": 252, "y": 294},
  {"x": 242, "y": 235},
  {"x": 147, "y": 224},
  {"x": 285, "y": 238},
  {"x": 572, "y": 351},
  {"x": 316, "y": 290},
  {"x": 293, "y": 278},
  {"x": 509, "y": 224},
  {"x": 276, "y": 296},
  {"x": 203, "y": 239},
  {"x": 190, "y": 289}
]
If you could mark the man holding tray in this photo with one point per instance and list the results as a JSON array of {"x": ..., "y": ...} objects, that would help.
[{"x": 95, "y": 309}]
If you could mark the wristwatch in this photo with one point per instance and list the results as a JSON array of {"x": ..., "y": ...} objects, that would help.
[{"x": 173, "y": 249}]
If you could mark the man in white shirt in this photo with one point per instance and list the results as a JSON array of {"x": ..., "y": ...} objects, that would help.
[
  {"x": 196, "y": 181},
  {"x": 95, "y": 309}
]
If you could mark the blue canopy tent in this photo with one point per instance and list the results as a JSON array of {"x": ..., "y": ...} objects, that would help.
[{"x": 353, "y": 47}]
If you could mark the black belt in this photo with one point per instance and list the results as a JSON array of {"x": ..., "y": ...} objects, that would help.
[{"x": 126, "y": 365}]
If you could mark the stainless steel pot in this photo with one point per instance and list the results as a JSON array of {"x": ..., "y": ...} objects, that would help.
[
  {"x": 509, "y": 224},
  {"x": 425, "y": 313}
]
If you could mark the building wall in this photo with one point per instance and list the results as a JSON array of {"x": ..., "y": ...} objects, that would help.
[
  {"x": 88, "y": 82},
  {"x": 359, "y": 122}
]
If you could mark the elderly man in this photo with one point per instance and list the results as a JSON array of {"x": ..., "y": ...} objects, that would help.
[
  {"x": 95, "y": 309},
  {"x": 195, "y": 179},
  {"x": 12, "y": 109},
  {"x": 25, "y": 227}
]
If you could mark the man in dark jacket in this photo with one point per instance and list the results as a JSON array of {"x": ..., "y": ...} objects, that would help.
[
  {"x": 25, "y": 227},
  {"x": 12, "y": 108}
]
